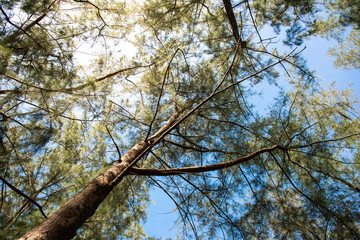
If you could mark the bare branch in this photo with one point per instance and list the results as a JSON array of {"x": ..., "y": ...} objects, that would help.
[
  {"x": 322, "y": 141},
  {"x": 198, "y": 169},
  {"x": 350, "y": 185},
  {"x": 213, "y": 203}
]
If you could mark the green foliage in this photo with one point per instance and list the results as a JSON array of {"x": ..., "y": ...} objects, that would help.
[
  {"x": 348, "y": 52},
  {"x": 347, "y": 11},
  {"x": 65, "y": 119},
  {"x": 342, "y": 22}
]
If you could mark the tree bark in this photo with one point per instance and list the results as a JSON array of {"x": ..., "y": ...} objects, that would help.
[
  {"x": 233, "y": 23},
  {"x": 231, "y": 17},
  {"x": 64, "y": 222}
]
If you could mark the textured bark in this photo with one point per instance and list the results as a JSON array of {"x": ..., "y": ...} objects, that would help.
[{"x": 64, "y": 222}]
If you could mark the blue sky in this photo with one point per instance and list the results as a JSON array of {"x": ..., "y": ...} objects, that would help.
[
  {"x": 161, "y": 214},
  {"x": 316, "y": 55}
]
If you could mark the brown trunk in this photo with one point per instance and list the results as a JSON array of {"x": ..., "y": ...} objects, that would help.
[{"x": 64, "y": 222}]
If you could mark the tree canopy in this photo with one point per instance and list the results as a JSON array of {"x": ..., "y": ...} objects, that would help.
[{"x": 103, "y": 100}]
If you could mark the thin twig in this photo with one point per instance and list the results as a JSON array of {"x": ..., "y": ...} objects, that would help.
[
  {"x": 23, "y": 195},
  {"x": 310, "y": 199},
  {"x": 117, "y": 148}
]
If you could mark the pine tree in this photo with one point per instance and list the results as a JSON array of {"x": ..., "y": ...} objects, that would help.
[{"x": 83, "y": 140}]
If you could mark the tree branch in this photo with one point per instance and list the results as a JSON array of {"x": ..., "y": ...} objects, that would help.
[
  {"x": 231, "y": 17},
  {"x": 71, "y": 89},
  {"x": 198, "y": 169},
  {"x": 23, "y": 195},
  {"x": 173, "y": 121},
  {"x": 350, "y": 185}
]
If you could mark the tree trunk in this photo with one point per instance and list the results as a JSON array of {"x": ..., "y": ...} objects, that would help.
[{"x": 64, "y": 222}]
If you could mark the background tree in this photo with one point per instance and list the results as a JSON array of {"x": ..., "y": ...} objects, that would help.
[{"x": 177, "y": 115}]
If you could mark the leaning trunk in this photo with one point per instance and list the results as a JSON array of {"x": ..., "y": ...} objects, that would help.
[{"x": 64, "y": 222}]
